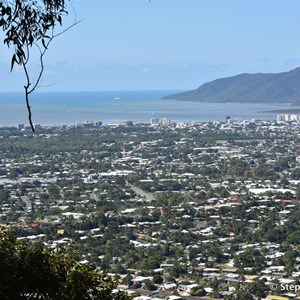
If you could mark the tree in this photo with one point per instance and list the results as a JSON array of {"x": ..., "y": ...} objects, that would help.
[
  {"x": 250, "y": 258},
  {"x": 157, "y": 279},
  {"x": 198, "y": 292},
  {"x": 149, "y": 285},
  {"x": 33, "y": 272},
  {"x": 215, "y": 285},
  {"x": 245, "y": 295},
  {"x": 127, "y": 280},
  {"x": 257, "y": 288},
  {"x": 26, "y": 25}
]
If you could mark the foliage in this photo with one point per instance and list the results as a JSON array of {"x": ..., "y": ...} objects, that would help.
[
  {"x": 198, "y": 292},
  {"x": 257, "y": 288},
  {"x": 149, "y": 285},
  {"x": 28, "y": 24},
  {"x": 33, "y": 272},
  {"x": 245, "y": 295},
  {"x": 157, "y": 279},
  {"x": 250, "y": 258}
]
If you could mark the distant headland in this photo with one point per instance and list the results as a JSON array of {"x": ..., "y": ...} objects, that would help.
[{"x": 248, "y": 88}]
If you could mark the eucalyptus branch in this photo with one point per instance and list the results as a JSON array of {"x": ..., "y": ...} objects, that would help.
[
  {"x": 42, "y": 53},
  {"x": 48, "y": 85},
  {"x": 26, "y": 24},
  {"x": 27, "y": 55},
  {"x": 26, "y": 87},
  {"x": 68, "y": 28}
]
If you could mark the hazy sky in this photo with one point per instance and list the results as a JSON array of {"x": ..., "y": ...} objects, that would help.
[{"x": 142, "y": 45}]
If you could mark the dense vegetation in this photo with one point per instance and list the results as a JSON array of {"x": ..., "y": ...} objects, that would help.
[
  {"x": 272, "y": 88},
  {"x": 29, "y": 271}
]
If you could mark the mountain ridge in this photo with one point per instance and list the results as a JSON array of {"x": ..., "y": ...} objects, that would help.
[{"x": 281, "y": 87}]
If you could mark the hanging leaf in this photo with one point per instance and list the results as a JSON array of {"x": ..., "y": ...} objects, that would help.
[
  {"x": 44, "y": 44},
  {"x": 13, "y": 60},
  {"x": 26, "y": 24}
]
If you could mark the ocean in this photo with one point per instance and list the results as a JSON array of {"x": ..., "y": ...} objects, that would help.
[{"x": 66, "y": 108}]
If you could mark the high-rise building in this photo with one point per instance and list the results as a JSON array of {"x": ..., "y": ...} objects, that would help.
[
  {"x": 165, "y": 121},
  {"x": 97, "y": 123},
  {"x": 90, "y": 124},
  {"x": 129, "y": 123},
  {"x": 154, "y": 121},
  {"x": 294, "y": 118},
  {"x": 280, "y": 118}
]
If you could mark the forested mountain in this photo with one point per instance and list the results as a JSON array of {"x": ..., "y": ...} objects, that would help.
[{"x": 266, "y": 88}]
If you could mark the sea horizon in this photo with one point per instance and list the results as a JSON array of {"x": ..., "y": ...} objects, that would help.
[{"x": 139, "y": 106}]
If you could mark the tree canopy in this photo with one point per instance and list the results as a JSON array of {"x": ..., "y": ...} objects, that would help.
[
  {"x": 29, "y": 23},
  {"x": 30, "y": 271}
]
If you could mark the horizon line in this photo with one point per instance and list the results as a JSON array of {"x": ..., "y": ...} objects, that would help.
[{"x": 98, "y": 91}]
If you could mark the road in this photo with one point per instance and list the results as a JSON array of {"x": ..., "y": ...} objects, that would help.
[
  {"x": 143, "y": 194},
  {"x": 27, "y": 202}
]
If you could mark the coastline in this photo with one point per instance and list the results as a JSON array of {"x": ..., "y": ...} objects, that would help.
[{"x": 56, "y": 108}]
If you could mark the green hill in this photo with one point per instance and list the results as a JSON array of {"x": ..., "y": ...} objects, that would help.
[{"x": 266, "y": 88}]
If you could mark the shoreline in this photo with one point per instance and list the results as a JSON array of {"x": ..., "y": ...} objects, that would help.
[{"x": 281, "y": 111}]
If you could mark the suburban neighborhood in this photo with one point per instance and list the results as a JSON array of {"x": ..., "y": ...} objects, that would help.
[{"x": 202, "y": 210}]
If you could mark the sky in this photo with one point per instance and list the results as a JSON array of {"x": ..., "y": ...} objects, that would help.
[{"x": 164, "y": 44}]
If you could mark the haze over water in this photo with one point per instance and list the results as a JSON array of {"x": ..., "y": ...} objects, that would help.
[{"x": 66, "y": 108}]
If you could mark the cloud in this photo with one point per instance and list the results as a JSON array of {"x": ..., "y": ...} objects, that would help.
[
  {"x": 146, "y": 70},
  {"x": 266, "y": 60}
]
